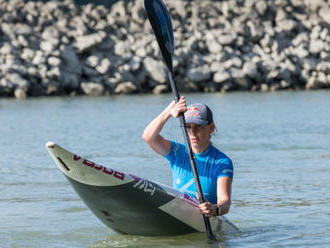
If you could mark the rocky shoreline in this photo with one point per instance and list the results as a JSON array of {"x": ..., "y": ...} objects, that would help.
[{"x": 59, "y": 48}]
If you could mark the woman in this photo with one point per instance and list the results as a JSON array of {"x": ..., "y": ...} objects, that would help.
[{"x": 215, "y": 169}]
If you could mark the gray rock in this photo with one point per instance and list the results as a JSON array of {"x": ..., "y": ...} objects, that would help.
[
  {"x": 324, "y": 66},
  {"x": 238, "y": 76},
  {"x": 6, "y": 86},
  {"x": 233, "y": 62},
  {"x": 140, "y": 77},
  {"x": 53, "y": 73},
  {"x": 155, "y": 69},
  {"x": 48, "y": 46},
  {"x": 111, "y": 82},
  {"x": 137, "y": 11},
  {"x": 122, "y": 48},
  {"x": 50, "y": 33},
  {"x": 71, "y": 62},
  {"x": 250, "y": 69},
  {"x": 316, "y": 46},
  {"x": 27, "y": 54},
  {"x": 214, "y": 47},
  {"x": 180, "y": 8},
  {"x": 89, "y": 71},
  {"x": 301, "y": 38},
  {"x": 93, "y": 61},
  {"x": 7, "y": 48},
  {"x": 125, "y": 88},
  {"x": 69, "y": 80},
  {"x": 322, "y": 78},
  {"x": 22, "y": 41},
  {"x": 8, "y": 29},
  {"x": 39, "y": 58},
  {"x": 104, "y": 66},
  {"x": 18, "y": 80},
  {"x": 221, "y": 76},
  {"x": 88, "y": 42},
  {"x": 216, "y": 66},
  {"x": 280, "y": 15},
  {"x": 92, "y": 89},
  {"x": 20, "y": 93},
  {"x": 261, "y": 7},
  {"x": 134, "y": 64},
  {"x": 287, "y": 25},
  {"x": 33, "y": 71},
  {"x": 324, "y": 13},
  {"x": 24, "y": 29},
  {"x": 54, "y": 61},
  {"x": 124, "y": 75},
  {"x": 159, "y": 89},
  {"x": 256, "y": 31},
  {"x": 226, "y": 39},
  {"x": 117, "y": 13},
  {"x": 199, "y": 74},
  {"x": 264, "y": 87}
]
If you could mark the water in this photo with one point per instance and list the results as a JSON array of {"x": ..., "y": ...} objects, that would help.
[{"x": 279, "y": 142}]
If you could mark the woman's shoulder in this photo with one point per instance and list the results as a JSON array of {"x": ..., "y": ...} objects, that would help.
[
  {"x": 176, "y": 147},
  {"x": 221, "y": 156}
]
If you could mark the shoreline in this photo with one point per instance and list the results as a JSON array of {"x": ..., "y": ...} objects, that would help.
[{"x": 59, "y": 48}]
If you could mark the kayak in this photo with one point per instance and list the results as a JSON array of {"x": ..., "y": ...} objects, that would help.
[{"x": 132, "y": 205}]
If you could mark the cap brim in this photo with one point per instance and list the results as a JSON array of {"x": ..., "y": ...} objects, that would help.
[{"x": 196, "y": 121}]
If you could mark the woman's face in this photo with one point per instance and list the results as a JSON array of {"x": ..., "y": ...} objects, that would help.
[{"x": 199, "y": 136}]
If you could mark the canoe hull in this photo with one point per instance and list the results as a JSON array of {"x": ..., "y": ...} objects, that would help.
[{"x": 129, "y": 204}]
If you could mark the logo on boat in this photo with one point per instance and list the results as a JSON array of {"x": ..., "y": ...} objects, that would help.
[
  {"x": 146, "y": 186},
  {"x": 91, "y": 164}
]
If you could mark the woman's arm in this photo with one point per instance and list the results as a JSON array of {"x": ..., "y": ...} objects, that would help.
[
  {"x": 151, "y": 134},
  {"x": 223, "y": 196}
]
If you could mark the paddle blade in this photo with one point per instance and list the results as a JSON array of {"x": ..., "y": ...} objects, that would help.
[{"x": 161, "y": 24}]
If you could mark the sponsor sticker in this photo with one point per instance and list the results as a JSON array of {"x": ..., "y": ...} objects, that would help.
[{"x": 91, "y": 164}]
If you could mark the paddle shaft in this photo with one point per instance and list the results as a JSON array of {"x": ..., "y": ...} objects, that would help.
[
  {"x": 191, "y": 155},
  {"x": 161, "y": 24}
]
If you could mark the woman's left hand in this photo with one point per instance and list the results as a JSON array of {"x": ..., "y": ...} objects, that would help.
[{"x": 208, "y": 209}]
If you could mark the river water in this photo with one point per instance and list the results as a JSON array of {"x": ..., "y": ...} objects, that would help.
[{"x": 279, "y": 143}]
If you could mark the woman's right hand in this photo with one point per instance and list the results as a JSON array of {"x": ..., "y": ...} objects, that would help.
[{"x": 177, "y": 108}]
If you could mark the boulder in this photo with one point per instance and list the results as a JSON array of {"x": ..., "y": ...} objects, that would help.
[
  {"x": 125, "y": 88},
  {"x": 92, "y": 89},
  {"x": 156, "y": 69},
  {"x": 199, "y": 74}
]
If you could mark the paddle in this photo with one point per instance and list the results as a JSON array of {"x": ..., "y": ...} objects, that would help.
[{"x": 161, "y": 23}]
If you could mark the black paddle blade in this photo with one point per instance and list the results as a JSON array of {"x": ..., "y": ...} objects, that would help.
[{"x": 161, "y": 24}]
